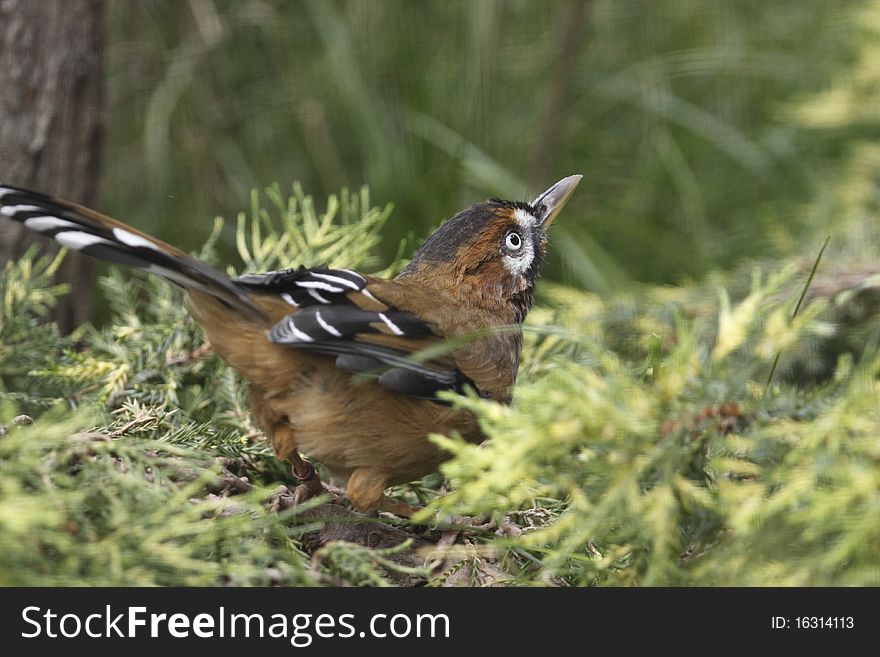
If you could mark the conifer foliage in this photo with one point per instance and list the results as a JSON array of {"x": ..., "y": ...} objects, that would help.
[{"x": 646, "y": 445}]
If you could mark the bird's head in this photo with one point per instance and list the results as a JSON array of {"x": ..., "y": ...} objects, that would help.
[{"x": 493, "y": 252}]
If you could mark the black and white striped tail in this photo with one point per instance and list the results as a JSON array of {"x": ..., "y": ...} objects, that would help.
[{"x": 89, "y": 232}]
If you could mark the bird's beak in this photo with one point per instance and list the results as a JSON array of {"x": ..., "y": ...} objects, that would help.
[{"x": 553, "y": 200}]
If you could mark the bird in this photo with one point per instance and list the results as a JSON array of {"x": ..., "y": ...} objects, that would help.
[{"x": 345, "y": 367}]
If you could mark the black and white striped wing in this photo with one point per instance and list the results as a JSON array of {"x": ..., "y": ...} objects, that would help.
[
  {"x": 305, "y": 287},
  {"x": 337, "y": 315}
]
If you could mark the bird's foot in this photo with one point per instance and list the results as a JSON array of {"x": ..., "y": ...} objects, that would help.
[
  {"x": 398, "y": 507},
  {"x": 311, "y": 483},
  {"x": 480, "y": 523}
]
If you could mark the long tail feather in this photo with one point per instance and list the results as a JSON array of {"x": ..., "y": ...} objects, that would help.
[{"x": 94, "y": 234}]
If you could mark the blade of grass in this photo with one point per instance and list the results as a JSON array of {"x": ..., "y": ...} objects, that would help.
[{"x": 797, "y": 309}]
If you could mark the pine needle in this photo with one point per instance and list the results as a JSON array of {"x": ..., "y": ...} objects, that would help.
[{"x": 796, "y": 311}]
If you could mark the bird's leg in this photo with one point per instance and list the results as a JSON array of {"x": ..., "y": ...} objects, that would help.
[
  {"x": 299, "y": 467},
  {"x": 366, "y": 490},
  {"x": 306, "y": 473}
]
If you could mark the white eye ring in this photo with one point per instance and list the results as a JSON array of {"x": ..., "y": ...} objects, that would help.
[{"x": 513, "y": 241}]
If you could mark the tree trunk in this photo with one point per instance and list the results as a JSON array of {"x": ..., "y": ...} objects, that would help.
[{"x": 50, "y": 138}]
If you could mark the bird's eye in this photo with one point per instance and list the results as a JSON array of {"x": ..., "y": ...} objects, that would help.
[{"x": 512, "y": 241}]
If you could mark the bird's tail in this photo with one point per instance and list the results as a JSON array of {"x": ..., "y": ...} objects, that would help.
[{"x": 89, "y": 232}]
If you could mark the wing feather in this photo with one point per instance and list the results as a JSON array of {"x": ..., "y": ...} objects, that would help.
[{"x": 335, "y": 312}]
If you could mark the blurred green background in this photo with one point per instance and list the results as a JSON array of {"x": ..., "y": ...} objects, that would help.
[{"x": 694, "y": 122}]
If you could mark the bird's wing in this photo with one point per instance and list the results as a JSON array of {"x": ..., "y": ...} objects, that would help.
[
  {"x": 483, "y": 348},
  {"x": 341, "y": 313}
]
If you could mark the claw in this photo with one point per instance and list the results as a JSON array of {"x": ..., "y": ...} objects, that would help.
[
  {"x": 398, "y": 507},
  {"x": 307, "y": 490},
  {"x": 311, "y": 482},
  {"x": 310, "y": 486}
]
